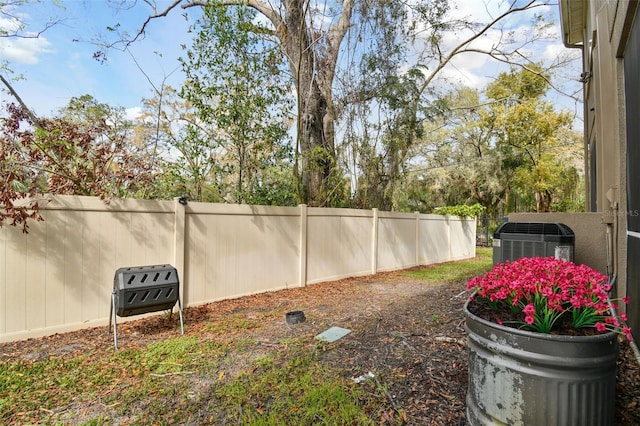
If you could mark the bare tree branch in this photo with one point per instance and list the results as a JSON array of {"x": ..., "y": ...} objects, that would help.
[
  {"x": 16, "y": 33},
  {"x": 460, "y": 48},
  {"x": 504, "y": 58},
  {"x": 264, "y": 8},
  {"x": 150, "y": 18},
  {"x": 32, "y": 115},
  {"x": 6, "y": 9}
]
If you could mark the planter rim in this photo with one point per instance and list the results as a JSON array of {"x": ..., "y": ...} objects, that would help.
[{"x": 536, "y": 335}]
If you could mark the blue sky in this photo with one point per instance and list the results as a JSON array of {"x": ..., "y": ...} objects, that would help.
[
  {"x": 60, "y": 65},
  {"x": 57, "y": 68}
]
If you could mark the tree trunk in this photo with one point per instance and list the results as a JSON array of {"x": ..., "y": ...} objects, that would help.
[
  {"x": 312, "y": 56},
  {"x": 543, "y": 201},
  {"x": 313, "y": 78}
]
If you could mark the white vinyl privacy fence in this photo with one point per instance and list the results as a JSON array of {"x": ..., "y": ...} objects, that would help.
[{"x": 59, "y": 276}]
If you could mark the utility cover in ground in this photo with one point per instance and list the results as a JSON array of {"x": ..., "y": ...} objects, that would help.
[{"x": 333, "y": 334}]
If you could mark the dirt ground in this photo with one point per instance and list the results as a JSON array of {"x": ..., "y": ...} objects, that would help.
[{"x": 408, "y": 334}]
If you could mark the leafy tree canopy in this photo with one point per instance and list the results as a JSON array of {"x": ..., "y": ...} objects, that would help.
[{"x": 76, "y": 153}]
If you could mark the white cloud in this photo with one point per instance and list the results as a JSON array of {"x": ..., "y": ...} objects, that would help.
[
  {"x": 467, "y": 69},
  {"x": 133, "y": 113},
  {"x": 24, "y": 50},
  {"x": 476, "y": 69},
  {"x": 553, "y": 51},
  {"x": 23, "y": 47}
]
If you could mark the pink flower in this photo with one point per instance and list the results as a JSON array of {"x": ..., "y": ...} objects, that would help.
[
  {"x": 613, "y": 321},
  {"x": 529, "y": 309},
  {"x": 543, "y": 289}
]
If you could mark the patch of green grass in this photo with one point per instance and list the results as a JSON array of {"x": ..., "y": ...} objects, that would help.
[
  {"x": 455, "y": 271},
  {"x": 155, "y": 385},
  {"x": 240, "y": 322},
  {"x": 204, "y": 379},
  {"x": 98, "y": 421},
  {"x": 120, "y": 379},
  {"x": 290, "y": 388},
  {"x": 26, "y": 387},
  {"x": 436, "y": 319}
]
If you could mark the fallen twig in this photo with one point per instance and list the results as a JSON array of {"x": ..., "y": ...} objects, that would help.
[
  {"x": 177, "y": 373},
  {"x": 451, "y": 340}
]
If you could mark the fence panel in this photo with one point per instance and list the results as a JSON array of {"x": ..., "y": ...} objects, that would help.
[
  {"x": 463, "y": 238},
  {"x": 396, "y": 241},
  {"x": 435, "y": 239},
  {"x": 233, "y": 251},
  {"x": 59, "y": 277},
  {"x": 338, "y": 243}
]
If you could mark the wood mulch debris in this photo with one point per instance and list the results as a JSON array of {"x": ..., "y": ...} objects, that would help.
[{"x": 407, "y": 334}]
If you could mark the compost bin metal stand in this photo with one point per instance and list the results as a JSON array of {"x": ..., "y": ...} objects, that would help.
[{"x": 143, "y": 289}]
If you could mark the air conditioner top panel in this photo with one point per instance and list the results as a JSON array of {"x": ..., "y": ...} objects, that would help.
[{"x": 535, "y": 231}]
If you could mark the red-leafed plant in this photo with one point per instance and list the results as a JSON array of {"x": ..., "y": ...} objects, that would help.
[
  {"x": 61, "y": 155},
  {"x": 540, "y": 293}
]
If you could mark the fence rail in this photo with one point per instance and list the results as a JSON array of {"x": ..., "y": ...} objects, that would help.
[{"x": 59, "y": 276}]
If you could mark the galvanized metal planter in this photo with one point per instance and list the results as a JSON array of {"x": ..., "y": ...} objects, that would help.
[{"x": 519, "y": 377}]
